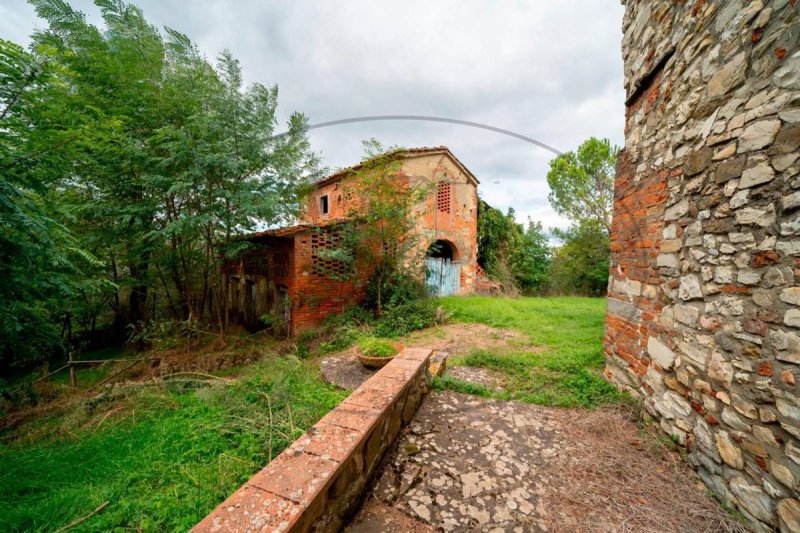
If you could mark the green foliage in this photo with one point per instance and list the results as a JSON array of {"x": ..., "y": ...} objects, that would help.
[
  {"x": 530, "y": 264},
  {"x": 398, "y": 319},
  {"x": 459, "y": 385},
  {"x": 580, "y": 265},
  {"x": 412, "y": 315},
  {"x": 380, "y": 239},
  {"x": 393, "y": 288},
  {"x": 582, "y": 182},
  {"x": 41, "y": 264},
  {"x": 128, "y": 162},
  {"x": 163, "y": 456},
  {"x": 562, "y": 363},
  {"x": 376, "y": 347},
  {"x": 516, "y": 256},
  {"x": 494, "y": 231},
  {"x": 582, "y": 189}
]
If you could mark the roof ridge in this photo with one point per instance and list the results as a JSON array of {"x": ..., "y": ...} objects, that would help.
[{"x": 398, "y": 151}]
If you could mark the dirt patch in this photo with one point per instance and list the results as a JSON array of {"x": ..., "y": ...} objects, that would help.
[
  {"x": 617, "y": 477},
  {"x": 345, "y": 370},
  {"x": 460, "y": 339},
  {"x": 474, "y": 464}
]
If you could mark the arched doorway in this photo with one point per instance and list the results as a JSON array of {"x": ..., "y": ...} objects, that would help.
[{"x": 442, "y": 269}]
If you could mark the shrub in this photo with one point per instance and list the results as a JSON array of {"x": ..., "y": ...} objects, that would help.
[
  {"x": 396, "y": 289},
  {"x": 344, "y": 328},
  {"x": 412, "y": 315},
  {"x": 374, "y": 347}
]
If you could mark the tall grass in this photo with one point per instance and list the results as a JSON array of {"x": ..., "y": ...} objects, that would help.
[{"x": 163, "y": 456}]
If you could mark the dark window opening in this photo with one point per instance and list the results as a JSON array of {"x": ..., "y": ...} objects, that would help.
[
  {"x": 441, "y": 250},
  {"x": 323, "y": 204}
]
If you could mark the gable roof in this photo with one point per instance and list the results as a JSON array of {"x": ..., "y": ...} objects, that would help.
[{"x": 403, "y": 153}]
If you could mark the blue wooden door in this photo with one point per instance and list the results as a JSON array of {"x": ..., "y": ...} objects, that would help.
[{"x": 442, "y": 276}]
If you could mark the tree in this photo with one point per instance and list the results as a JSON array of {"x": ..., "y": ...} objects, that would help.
[
  {"x": 515, "y": 256},
  {"x": 582, "y": 182},
  {"x": 580, "y": 265},
  {"x": 42, "y": 264},
  {"x": 379, "y": 238},
  {"x": 531, "y": 263},
  {"x": 128, "y": 165}
]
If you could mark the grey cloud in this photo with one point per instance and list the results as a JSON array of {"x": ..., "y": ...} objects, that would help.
[{"x": 548, "y": 70}]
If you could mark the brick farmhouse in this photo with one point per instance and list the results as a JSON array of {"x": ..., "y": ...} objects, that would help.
[{"x": 286, "y": 277}]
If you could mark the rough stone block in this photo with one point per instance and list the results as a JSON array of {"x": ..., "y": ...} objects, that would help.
[
  {"x": 660, "y": 353},
  {"x": 761, "y": 173}
]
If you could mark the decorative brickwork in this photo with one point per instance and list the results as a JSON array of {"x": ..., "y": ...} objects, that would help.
[
  {"x": 703, "y": 308},
  {"x": 443, "y": 200},
  {"x": 321, "y": 265}
]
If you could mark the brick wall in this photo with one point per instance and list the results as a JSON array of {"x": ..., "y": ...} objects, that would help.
[
  {"x": 703, "y": 309},
  {"x": 634, "y": 296},
  {"x": 315, "y": 296},
  {"x": 318, "y": 481}
]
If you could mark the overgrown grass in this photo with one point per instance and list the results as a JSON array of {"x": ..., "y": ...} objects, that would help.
[
  {"x": 162, "y": 455},
  {"x": 165, "y": 454},
  {"x": 566, "y": 371}
]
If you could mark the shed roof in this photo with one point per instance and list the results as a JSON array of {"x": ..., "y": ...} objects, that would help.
[{"x": 290, "y": 231}]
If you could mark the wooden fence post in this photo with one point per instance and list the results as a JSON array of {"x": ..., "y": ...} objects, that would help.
[{"x": 73, "y": 378}]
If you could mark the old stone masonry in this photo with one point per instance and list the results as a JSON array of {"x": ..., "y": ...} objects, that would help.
[{"x": 703, "y": 316}]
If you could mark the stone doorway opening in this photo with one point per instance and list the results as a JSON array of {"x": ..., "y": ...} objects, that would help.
[{"x": 442, "y": 269}]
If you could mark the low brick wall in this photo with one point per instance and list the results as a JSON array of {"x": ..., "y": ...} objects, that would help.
[{"x": 318, "y": 480}]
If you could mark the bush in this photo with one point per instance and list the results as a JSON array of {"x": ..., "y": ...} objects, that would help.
[
  {"x": 580, "y": 264},
  {"x": 406, "y": 307},
  {"x": 397, "y": 289},
  {"x": 401, "y": 319},
  {"x": 374, "y": 347}
]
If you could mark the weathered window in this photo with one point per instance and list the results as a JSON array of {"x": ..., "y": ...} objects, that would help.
[
  {"x": 323, "y": 204},
  {"x": 443, "y": 197}
]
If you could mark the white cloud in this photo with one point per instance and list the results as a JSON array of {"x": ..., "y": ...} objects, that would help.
[{"x": 548, "y": 70}]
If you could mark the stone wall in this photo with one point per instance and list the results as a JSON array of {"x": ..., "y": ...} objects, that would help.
[
  {"x": 703, "y": 317},
  {"x": 317, "y": 482}
]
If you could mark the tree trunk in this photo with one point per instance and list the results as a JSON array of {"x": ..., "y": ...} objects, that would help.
[{"x": 137, "y": 302}]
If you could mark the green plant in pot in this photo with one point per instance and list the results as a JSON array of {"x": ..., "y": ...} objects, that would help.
[{"x": 375, "y": 353}]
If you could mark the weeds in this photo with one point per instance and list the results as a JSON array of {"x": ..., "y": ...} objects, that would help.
[
  {"x": 164, "y": 454},
  {"x": 454, "y": 384}
]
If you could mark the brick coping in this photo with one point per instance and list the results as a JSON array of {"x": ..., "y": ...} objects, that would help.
[{"x": 316, "y": 481}]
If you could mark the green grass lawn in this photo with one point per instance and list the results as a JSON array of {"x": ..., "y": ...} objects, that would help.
[
  {"x": 566, "y": 372},
  {"x": 163, "y": 456}
]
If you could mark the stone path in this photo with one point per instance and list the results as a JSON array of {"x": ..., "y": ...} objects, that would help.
[
  {"x": 471, "y": 464},
  {"x": 476, "y": 375}
]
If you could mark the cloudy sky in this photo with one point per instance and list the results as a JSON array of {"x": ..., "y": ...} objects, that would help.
[{"x": 550, "y": 70}]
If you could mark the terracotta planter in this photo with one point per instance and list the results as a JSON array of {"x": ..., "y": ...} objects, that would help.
[{"x": 378, "y": 362}]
